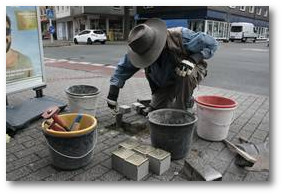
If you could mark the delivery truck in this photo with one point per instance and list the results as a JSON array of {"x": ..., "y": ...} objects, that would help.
[{"x": 242, "y": 31}]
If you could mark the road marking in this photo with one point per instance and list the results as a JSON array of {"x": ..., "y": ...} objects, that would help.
[
  {"x": 254, "y": 49},
  {"x": 84, "y": 63}
]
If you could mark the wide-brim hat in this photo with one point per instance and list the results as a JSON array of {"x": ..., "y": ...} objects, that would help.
[{"x": 146, "y": 42}]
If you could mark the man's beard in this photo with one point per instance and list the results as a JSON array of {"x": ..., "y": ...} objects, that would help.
[{"x": 8, "y": 45}]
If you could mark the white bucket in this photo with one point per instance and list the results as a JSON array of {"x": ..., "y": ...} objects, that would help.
[
  {"x": 82, "y": 98},
  {"x": 214, "y": 122}
]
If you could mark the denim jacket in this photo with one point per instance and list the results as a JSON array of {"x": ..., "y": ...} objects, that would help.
[{"x": 161, "y": 73}]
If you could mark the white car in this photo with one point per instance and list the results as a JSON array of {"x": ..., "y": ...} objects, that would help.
[{"x": 89, "y": 36}]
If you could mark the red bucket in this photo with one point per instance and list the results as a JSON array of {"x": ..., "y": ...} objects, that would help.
[{"x": 216, "y": 101}]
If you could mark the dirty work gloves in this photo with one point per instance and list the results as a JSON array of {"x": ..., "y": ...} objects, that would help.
[
  {"x": 112, "y": 97},
  {"x": 185, "y": 68}
]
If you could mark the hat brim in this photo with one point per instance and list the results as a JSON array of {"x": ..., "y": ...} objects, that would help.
[{"x": 147, "y": 58}]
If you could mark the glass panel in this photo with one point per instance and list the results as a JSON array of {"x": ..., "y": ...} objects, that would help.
[
  {"x": 209, "y": 27},
  {"x": 215, "y": 29}
]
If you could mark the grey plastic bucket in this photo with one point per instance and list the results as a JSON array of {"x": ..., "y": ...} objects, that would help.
[
  {"x": 172, "y": 130},
  {"x": 82, "y": 98}
]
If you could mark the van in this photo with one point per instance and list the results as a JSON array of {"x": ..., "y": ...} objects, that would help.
[{"x": 242, "y": 31}]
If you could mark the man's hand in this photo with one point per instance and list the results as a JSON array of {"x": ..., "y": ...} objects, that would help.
[
  {"x": 112, "y": 97},
  {"x": 185, "y": 68}
]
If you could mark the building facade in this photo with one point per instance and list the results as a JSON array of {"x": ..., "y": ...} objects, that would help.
[
  {"x": 44, "y": 21},
  {"x": 71, "y": 20},
  {"x": 213, "y": 20}
]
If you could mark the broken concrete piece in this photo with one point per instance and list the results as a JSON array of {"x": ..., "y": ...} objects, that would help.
[
  {"x": 136, "y": 167},
  {"x": 159, "y": 161},
  {"x": 196, "y": 171}
]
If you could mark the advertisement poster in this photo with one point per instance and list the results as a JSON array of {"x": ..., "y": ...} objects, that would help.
[{"x": 24, "y": 62}]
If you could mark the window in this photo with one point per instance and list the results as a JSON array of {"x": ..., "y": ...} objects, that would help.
[
  {"x": 251, "y": 9},
  {"x": 147, "y": 7},
  {"x": 57, "y": 8},
  {"x": 233, "y": 7},
  {"x": 258, "y": 11},
  {"x": 117, "y": 7},
  {"x": 243, "y": 8},
  {"x": 265, "y": 13},
  {"x": 236, "y": 29}
]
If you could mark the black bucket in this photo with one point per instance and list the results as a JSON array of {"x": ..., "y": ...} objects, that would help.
[
  {"x": 172, "y": 130},
  {"x": 74, "y": 149}
]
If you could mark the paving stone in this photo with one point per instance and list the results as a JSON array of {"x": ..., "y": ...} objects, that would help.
[
  {"x": 112, "y": 175},
  {"x": 257, "y": 176},
  {"x": 196, "y": 171},
  {"x": 40, "y": 175},
  {"x": 29, "y": 151},
  {"x": 34, "y": 166},
  {"x": 21, "y": 162},
  {"x": 91, "y": 174},
  {"x": 63, "y": 175},
  {"x": 230, "y": 177},
  {"x": 18, "y": 173}
]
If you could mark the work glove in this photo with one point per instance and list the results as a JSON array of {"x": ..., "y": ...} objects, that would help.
[
  {"x": 112, "y": 97},
  {"x": 185, "y": 68}
]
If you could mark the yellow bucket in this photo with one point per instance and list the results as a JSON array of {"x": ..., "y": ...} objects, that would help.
[
  {"x": 87, "y": 124},
  {"x": 73, "y": 149}
]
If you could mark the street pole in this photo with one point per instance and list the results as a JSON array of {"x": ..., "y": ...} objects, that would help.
[{"x": 51, "y": 35}]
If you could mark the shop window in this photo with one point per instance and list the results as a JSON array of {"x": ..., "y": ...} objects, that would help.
[
  {"x": 243, "y": 8},
  {"x": 215, "y": 29},
  {"x": 251, "y": 9},
  {"x": 209, "y": 28},
  {"x": 265, "y": 13},
  {"x": 148, "y": 7},
  {"x": 258, "y": 11}
]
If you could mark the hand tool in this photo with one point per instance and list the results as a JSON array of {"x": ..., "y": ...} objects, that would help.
[
  {"x": 52, "y": 112},
  {"x": 242, "y": 153},
  {"x": 76, "y": 123}
]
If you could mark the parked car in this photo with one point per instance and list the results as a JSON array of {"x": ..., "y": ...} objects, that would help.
[
  {"x": 242, "y": 31},
  {"x": 90, "y": 36}
]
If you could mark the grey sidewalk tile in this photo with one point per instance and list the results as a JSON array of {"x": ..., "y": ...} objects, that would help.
[
  {"x": 236, "y": 170},
  {"x": 10, "y": 158},
  {"x": 21, "y": 162},
  {"x": 18, "y": 173},
  {"x": 64, "y": 175},
  {"x": 107, "y": 163},
  {"x": 260, "y": 134},
  {"x": 257, "y": 176},
  {"x": 40, "y": 175},
  {"x": 174, "y": 169},
  {"x": 217, "y": 146},
  {"x": 28, "y": 151},
  {"x": 34, "y": 166},
  {"x": 90, "y": 174},
  {"x": 97, "y": 158},
  {"x": 230, "y": 177},
  {"x": 112, "y": 175},
  {"x": 220, "y": 165}
]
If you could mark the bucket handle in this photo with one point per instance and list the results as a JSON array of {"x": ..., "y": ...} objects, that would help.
[
  {"x": 221, "y": 125},
  {"x": 74, "y": 157}
]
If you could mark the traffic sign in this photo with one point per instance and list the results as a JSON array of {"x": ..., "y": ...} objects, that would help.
[
  {"x": 49, "y": 13},
  {"x": 51, "y": 29}
]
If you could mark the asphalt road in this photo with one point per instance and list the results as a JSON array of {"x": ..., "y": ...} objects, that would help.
[{"x": 237, "y": 66}]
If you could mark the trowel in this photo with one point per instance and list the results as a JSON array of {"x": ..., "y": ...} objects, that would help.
[{"x": 242, "y": 153}]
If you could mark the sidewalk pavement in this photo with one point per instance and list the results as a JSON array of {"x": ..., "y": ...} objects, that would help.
[{"x": 28, "y": 159}]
